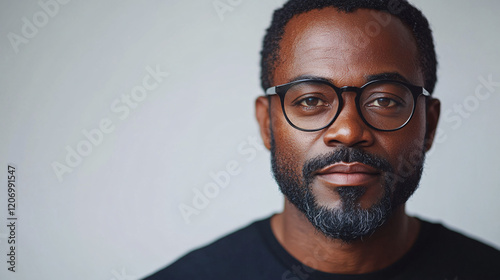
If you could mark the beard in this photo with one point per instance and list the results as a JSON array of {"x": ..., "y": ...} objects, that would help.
[{"x": 349, "y": 222}]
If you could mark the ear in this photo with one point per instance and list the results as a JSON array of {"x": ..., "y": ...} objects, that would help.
[
  {"x": 433, "y": 111},
  {"x": 264, "y": 120}
]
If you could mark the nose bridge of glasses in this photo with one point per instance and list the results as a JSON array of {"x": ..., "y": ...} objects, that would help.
[
  {"x": 348, "y": 90},
  {"x": 348, "y": 127},
  {"x": 349, "y": 117},
  {"x": 348, "y": 111}
]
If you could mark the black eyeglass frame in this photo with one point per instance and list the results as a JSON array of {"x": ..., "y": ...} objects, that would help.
[{"x": 281, "y": 91}]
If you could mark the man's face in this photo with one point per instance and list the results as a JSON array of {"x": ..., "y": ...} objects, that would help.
[{"x": 347, "y": 178}]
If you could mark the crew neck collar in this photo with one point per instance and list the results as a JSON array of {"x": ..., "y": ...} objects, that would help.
[{"x": 296, "y": 267}]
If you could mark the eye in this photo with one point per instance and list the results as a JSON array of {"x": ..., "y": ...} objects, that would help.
[
  {"x": 383, "y": 103},
  {"x": 311, "y": 102}
]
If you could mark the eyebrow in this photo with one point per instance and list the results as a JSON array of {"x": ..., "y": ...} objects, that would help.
[
  {"x": 310, "y": 77},
  {"x": 387, "y": 76},
  {"x": 368, "y": 78}
]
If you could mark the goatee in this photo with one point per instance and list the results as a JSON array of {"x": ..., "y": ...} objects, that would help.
[{"x": 350, "y": 221}]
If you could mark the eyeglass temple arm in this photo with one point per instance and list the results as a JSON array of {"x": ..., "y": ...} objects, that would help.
[
  {"x": 271, "y": 91},
  {"x": 425, "y": 92}
]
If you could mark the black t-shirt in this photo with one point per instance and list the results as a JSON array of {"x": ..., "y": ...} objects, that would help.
[{"x": 254, "y": 253}]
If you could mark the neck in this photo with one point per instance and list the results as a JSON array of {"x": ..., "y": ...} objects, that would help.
[{"x": 381, "y": 249}]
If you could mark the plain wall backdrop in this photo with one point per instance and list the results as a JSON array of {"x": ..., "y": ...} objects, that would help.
[{"x": 73, "y": 70}]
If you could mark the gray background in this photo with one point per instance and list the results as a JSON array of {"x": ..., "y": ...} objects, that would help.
[{"x": 116, "y": 215}]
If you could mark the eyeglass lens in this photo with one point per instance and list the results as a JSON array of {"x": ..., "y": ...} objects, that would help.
[{"x": 313, "y": 105}]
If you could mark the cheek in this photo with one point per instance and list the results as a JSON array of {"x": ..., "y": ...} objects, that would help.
[
  {"x": 404, "y": 147},
  {"x": 291, "y": 144}
]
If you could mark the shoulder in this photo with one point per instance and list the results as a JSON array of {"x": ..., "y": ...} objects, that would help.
[
  {"x": 443, "y": 238},
  {"x": 446, "y": 248},
  {"x": 222, "y": 258}
]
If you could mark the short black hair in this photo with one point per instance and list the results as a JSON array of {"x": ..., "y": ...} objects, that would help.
[{"x": 408, "y": 14}]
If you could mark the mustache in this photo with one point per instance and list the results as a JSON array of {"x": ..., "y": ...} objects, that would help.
[{"x": 347, "y": 155}]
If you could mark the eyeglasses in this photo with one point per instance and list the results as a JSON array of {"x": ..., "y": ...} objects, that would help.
[{"x": 312, "y": 104}]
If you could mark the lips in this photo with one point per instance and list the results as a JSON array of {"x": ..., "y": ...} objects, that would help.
[{"x": 349, "y": 174}]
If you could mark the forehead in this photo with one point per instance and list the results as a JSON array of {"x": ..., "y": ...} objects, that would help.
[{"x": 346, "y": 48}]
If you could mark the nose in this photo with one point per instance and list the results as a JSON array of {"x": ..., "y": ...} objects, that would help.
[{"x": 349, "y": 129}]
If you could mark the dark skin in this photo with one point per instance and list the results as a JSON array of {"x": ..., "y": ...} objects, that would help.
[{"x": 322, "y": 43}]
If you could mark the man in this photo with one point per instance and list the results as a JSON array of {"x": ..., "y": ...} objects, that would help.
[{"x": 348, "y": 118}]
